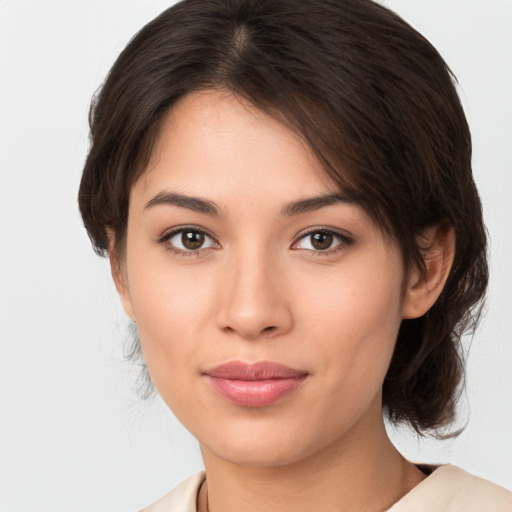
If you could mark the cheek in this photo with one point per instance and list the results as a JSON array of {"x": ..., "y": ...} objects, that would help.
[
  {"x": 163, "y": 291},
  {"x": 354, "y": 318},
  {"x": 171, "y": 306},
  {"x": 169, "y": 301}
]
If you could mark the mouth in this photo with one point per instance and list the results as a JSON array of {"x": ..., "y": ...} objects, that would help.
[{"x": 254, "y": 385}]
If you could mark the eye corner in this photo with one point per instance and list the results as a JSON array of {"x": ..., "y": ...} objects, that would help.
[
  {"x": 166, "y": 238},
  {"x": 344, "y": 241}
]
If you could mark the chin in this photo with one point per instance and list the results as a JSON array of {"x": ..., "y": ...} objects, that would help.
[
  {"x": 265, "y": 455},
  {"x": 262, "y": 445}
]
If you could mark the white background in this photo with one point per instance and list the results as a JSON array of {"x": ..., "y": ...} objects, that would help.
[{"x": 73, "y": 436}]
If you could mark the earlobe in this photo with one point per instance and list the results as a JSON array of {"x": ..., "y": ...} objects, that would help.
[
  {"x": 121, "y": 282},
  {"x": 423, "y": 289}
]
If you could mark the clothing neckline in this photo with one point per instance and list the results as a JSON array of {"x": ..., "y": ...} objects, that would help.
[
  {"x": 427, "y": 469},
  {"x": 447, "y": 487}
]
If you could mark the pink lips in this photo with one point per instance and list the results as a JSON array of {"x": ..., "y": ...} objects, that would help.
[{"x": 254, "y": 385}]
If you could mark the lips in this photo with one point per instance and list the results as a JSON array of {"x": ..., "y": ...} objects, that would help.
[{"x": 254, "y": 385}]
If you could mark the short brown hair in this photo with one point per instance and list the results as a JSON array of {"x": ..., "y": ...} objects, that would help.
[{"x": 378, "y": 106}]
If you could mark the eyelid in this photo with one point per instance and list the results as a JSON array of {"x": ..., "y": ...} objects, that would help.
[
  {"x": 346, "y": 240},
  {"x": 166, "y": 237}
]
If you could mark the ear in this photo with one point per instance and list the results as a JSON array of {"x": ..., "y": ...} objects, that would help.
[
  {"x": 438, "y": 243},
  {"x": 120, "y": 278}
]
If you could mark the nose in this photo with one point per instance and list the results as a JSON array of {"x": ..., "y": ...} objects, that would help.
[{"x": 254, "y": 301}]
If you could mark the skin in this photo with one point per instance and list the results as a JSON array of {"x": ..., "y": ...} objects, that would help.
[{"x": 258, "y": 289}]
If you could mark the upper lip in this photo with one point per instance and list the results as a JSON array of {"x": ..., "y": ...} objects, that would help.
[{"x": 262, "y": 370}]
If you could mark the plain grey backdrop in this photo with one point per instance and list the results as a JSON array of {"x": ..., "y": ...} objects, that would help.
[{"x": 73, "y": 435}]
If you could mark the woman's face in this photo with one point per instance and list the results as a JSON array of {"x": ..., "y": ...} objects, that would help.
[{"x": 241, "y": 250}]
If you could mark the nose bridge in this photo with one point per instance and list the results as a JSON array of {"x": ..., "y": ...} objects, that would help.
[{"x": 254, "y": 302}]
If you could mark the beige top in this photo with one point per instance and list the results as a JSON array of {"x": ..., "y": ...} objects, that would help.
[{"x": 447, "y": 489}]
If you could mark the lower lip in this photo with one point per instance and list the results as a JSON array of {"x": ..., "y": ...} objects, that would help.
[{"x": 254, "y": 393}]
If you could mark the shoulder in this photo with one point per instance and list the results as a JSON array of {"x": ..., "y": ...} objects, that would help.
[
  {"x": 451, "y": 489},
  {"x": 182, "y": 498}
]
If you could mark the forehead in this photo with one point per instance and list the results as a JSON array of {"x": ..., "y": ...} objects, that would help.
[
  {"x": 213, "y": 140},
  {"x": 218, "y": 154}
]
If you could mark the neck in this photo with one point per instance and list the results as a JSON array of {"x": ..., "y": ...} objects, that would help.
[{"x": 362, "y": 471}]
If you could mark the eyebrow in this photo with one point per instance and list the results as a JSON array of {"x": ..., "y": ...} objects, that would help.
[
  {"x": 195, "y": 204},
  {"x": 315, "y": 203},
  {"x": 198, "y": 204}
]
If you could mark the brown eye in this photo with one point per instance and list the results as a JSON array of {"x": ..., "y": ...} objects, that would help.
[
  {"x": 192, "y": 240},
  {"x": 321, "y": 241},
  {"x": 189, "y": 240}
]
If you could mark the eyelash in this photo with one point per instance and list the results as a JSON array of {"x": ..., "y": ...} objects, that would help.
[
  {"x": 344, "y": 241},
  {"x": 164, "y": 240}
]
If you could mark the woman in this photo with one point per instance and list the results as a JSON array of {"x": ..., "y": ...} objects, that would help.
[{"x": 284, "y": 191}]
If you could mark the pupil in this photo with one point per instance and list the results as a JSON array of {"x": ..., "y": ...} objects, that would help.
[
  {"x": 192, "y": 239},
  {"x": 321, "y": 241}
]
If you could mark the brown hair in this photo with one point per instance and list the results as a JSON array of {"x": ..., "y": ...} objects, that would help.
[{"x": 372, "y": 98}]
